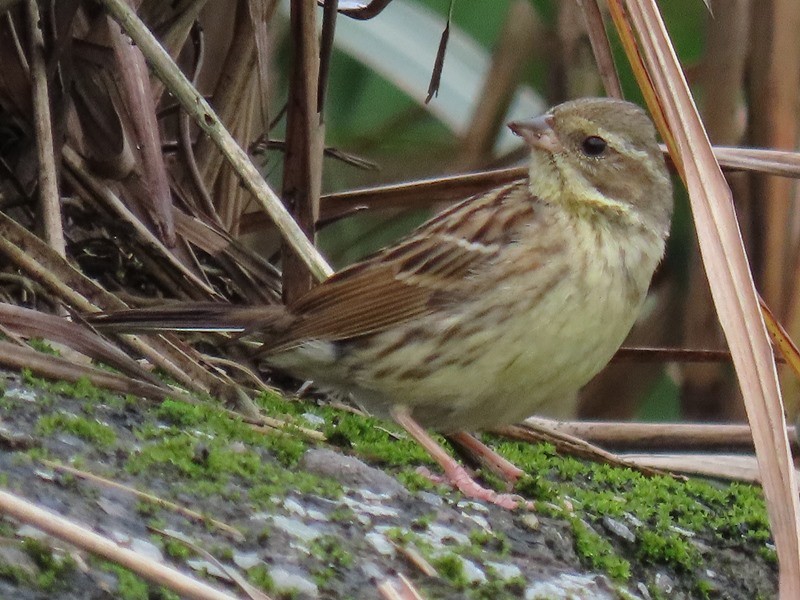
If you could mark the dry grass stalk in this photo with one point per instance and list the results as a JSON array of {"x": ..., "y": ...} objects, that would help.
[
  {"x": 595, "y": 27},
  {"x": 399, "y": 588},
  {"x": 302, "y": 170},
  {"x": 177, "y": 508},
  {"x": 83, "y": 538},
  {"x": 707, "y": 391},
  {"x": 207, "y": 119},
  {"x": 49, "y": 196},
  {"x": 773, "y": 98},
  {"x": 628, "y": 436},
  {"x": 564, "y": 443},
  {"x": 733, "y": 467},
  {"x": 249, "y": 591}
]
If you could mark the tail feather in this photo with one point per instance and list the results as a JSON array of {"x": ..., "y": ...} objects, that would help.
[{"x": 195, "y": 316}]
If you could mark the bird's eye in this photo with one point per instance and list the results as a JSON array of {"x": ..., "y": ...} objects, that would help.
[{"x": 593, "y": 145}]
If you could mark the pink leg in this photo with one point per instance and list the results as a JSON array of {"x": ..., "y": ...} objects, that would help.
[
  {"x": 454, "y": 472},
  {"x": 493, "y": 461}
]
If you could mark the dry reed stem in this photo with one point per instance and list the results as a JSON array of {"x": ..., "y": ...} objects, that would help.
[
  {"x": 166, "y": 69},
  {"x": 87, "y": 540},
  {"x": 302, "y": 167},
  {"x": 601, "y": 48},
  {"x": 49, "y": 197},
  {"x": 628, "y": 436}
]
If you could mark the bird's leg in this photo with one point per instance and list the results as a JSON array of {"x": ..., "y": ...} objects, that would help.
[
  {"x": 498, "y": 465},
  {"x": 454, "y": 472}
]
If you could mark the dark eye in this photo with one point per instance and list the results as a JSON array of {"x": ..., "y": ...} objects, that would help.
[{"x": 593, "y": 145}]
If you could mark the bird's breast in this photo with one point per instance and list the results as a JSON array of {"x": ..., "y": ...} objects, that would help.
[{"x": 526, "y": 343}]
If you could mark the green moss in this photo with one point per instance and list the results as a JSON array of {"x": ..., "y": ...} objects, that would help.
[
  {"x": 498, "y": 589},
  {"x": 483, "y": 541},
  {"x": 222, "y": 552},
  {"x": 732, "y": 514},
  {"x": 667, "y": 548},
  {"x": 214, "y": 454},
  {"x": 535, "y": 487},
  {"x": 704, "y": 589},
  {"x": 375, "y": 440},
  {"x": 183, "y": 414},
  {"x": 399, "y": 535},
  {"x": 598, "y": 552},
  {"x": 129, "y": 585},
  {"x": 42, "y": 346},
  {"x": 414, "y": 481},
  {"x": 276, "y": 404},
  {"x": 132, "y": 587},
  {"x": 146, "y": 508},
  {"x": 92, "y": 431},
  {"x": 52, "y": 567},
  {"x": 259, "y": 576},
  {"x": 342, "y": 514},
  {"x": 422, "y": 523},
  {"x": 82, "y": 388},
  {"x": 210, "y": 453},
  {"x": 176, "y": 549},
  {"x": 769, "y": 554},
  {"x": 451, "y": 568},
  {"x": 285, "y": 446},
  {"x": 7, "y": 529},
  {"x": 333, "y": 558},
  {"x": 15, "y": 574}
]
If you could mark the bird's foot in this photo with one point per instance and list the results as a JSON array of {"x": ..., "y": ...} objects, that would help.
[
  {"x": 498, "y": 465},
  {"x": 457, "y": 476}
]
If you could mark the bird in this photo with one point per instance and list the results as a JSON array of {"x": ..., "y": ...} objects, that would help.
[{"x": 497, "y": 308}]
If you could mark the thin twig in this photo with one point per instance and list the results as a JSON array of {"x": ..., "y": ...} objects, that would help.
[{"x": 185, "y": 137}]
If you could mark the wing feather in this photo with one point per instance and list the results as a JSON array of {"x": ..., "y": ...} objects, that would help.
[{"x": 409, "y": 280}]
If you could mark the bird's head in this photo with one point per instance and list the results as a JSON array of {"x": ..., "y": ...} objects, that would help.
[{"x": 599, "y": 155}]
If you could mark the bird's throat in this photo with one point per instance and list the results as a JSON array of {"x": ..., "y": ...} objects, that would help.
[
  {"x": 556, "y": 182},
  {"x": 545, "y": 177}
]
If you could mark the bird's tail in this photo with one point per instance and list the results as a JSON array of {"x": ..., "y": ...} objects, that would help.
[{"x": 195, "y": 316}]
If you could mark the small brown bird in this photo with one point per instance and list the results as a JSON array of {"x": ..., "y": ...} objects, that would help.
[{"x": 497, "y": 308}]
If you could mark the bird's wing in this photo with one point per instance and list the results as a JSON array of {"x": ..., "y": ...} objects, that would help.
[{"x": 430, "y": 267}]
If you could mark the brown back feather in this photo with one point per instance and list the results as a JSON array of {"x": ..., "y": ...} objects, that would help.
[{"x": 432, "y": 266}]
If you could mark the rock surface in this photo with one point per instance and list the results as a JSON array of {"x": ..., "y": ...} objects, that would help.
[{"x": 336, "y": 520}]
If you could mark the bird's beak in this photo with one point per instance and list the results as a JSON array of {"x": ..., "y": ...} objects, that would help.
[{"x": 538, "y": 133}]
